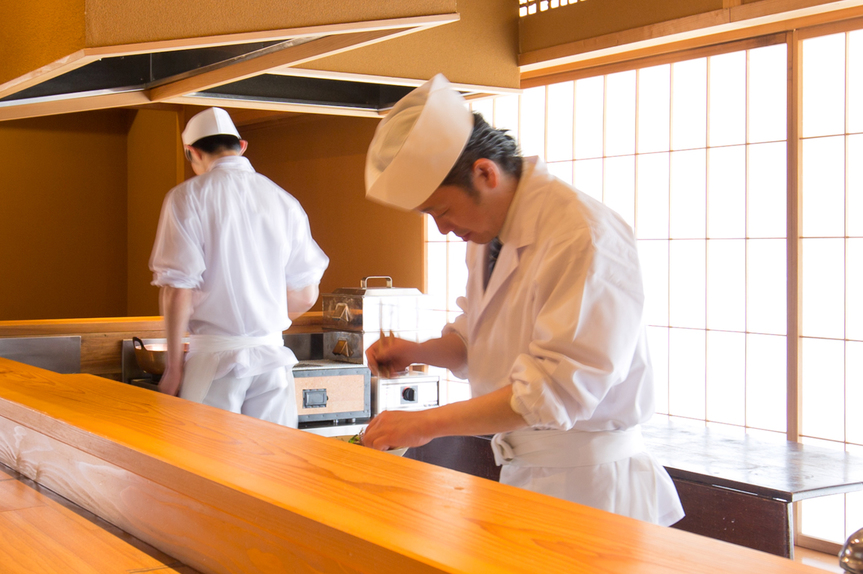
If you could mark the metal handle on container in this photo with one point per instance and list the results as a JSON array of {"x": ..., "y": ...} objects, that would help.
[
  {"x": 138, "y": 344},
  {"x": 365, "y": 280}
]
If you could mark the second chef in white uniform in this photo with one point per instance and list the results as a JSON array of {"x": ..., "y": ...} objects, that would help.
[
  {"x": 235, "y": 261},
  {"x": 551, "y": 338}
]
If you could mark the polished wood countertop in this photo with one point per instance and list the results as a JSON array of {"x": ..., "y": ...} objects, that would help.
[
  {"x": 222, "y": 492},
  {"x": 70, "y": 540}
]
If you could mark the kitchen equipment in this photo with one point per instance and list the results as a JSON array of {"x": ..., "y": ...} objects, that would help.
[
  {"x": 152, "y": 359},
  {"x": 332, "y": 391},
  {"x": 851, "y": 557},
  {"x": 411, "y": 391},
  {"x": 354, "y": 318}
]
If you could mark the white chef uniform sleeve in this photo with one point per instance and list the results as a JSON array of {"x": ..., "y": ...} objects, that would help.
[
  {"x": 459, "y": 328},
  {"x": 306, "y": 262},
  {"x": 177, "y": 259},
  {"x": 588, "y": 322}
]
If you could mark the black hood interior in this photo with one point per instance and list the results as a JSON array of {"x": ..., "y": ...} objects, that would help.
[{"x": 145, "y": 71}]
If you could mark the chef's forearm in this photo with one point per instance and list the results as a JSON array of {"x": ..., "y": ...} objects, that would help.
[
  {"x": 487, "y": 414},
  {"x": 176, "y": 306},
  {"x": 448, "y": 351},
  {"x": 301, "y": 300}
]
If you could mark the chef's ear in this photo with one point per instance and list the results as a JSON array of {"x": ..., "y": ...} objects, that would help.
[
  {"x": 244, "y": 145},
  {"x": 487, "y": 172}
]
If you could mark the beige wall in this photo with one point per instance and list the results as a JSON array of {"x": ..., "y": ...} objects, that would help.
[
  {"x": 320, "y": 161},
  {"x": 155, "y": 165},
  {"x": 35, "y": 33},
  {"x": 63, "y": 216},
  {"x": 82, "y": 195},
  {"x": 480, "y": 49},
  {"x": 117, "y": 22}
]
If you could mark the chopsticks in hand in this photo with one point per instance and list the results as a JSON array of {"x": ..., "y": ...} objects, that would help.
[{"x": 384, "y": 370}]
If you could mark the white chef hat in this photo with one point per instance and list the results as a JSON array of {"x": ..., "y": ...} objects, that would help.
[
  {"x": 210, "y": 122},
  {"x": 416, "y": 144}
]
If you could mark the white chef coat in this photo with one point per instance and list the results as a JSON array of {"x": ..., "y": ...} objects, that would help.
[
  {"x": 561, "y": 320},
  {"x": 240, "y": 242}
]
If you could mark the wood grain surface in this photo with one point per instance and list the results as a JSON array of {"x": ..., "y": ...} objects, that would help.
[
  {"x": 228, "y": 493},
  {"x": 41, "y": 533}
]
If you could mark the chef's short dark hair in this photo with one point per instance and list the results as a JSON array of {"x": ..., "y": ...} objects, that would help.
[
  {"x": 485, "y": 142},
  {"x": 218, "y": 143}
]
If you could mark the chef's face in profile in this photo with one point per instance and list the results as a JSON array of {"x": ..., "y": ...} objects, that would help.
[{"x": 463, "y": 212}]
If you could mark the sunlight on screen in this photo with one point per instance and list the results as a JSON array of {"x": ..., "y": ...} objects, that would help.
[
  {"x": 589, "y": 110},
  {"x": 560, "y": 130},
  {"x": 688, "y": 194},
  {"x": 726, "y": 376},
  {"x": 619, "y": 186},
  {"x": 687, "y": 283},
  {"x": 657, "y": 343},
  {"x": 727, "y": 99},
  {"x": 620, "y": 113},
  {"x": 824, "y": 85},
  {"x": 726, "y": 284},
  {"x": 653, "y": 256},
  {"x": 823, "y": 265},
  {"x": 824, "y": 187},
  {"x": 768, "y": 86},
  {"x": 765, "y": 286},
  {"x": 652, "y": 207},
  {"x": 726, "y": 192},
  {"x": 766, "y": 191},
  {"x": 654, "y": 101},
  {"x": 823, "y": 388},
  {"x": 532, "y": 122},
  {"x": 686, "y": 365},
  {"x": 766, "y": 385},
  {"x": 689, "y": 104}
]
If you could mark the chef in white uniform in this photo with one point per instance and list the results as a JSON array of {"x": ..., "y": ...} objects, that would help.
[
  {"x": 551, "y": 337},
  {"x": 235, "y": 261}
]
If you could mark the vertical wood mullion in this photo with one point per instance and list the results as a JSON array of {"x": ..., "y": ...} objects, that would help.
[
  {"x": 706, "y": 226},
  {"x": 668, "y": 242},
  {"x": 793, "y": 149},
  {"x": 574, "y": 139},
  {"x": 604, "y": 130},
  {"x": 794, "y": 227}
]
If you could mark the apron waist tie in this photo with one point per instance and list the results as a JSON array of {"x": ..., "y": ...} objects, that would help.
[
  {"x": 220, "y": 343},
  {"x": 201, "y": 364},
  {"x": 565, "y": 449}
]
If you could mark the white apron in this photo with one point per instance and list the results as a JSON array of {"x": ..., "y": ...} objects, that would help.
[
  {"x": 204, "y": 361},
  {"x": 580, "y": 466}
]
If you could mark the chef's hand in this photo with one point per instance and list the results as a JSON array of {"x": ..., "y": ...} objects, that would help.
[
  {"x": 170, "y": 381},
  {"x": 396, "y": 429},
  {"x": 391, "y": 355}
]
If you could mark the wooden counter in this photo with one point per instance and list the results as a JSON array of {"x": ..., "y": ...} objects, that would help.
[
  {"x": 70, "y": 540},
  {"x": 227, "y": 493}
]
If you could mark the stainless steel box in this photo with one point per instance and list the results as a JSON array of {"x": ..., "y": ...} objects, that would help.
[{"x": 371, "y": 309}]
